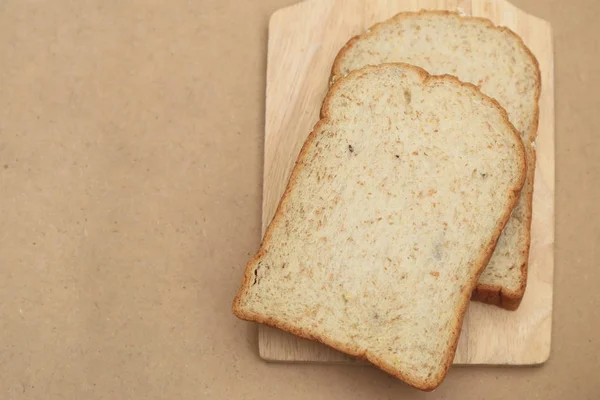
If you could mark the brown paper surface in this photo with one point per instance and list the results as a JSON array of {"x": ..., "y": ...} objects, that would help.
[{"x": 131, "y": 139}]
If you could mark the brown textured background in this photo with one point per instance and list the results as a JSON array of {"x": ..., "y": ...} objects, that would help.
[{"x": 131, "y": 138}]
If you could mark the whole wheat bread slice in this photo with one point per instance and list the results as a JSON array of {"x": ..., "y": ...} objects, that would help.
[
  {"x": 496, "y": 60},
  {"x": 393, "y": 209}
]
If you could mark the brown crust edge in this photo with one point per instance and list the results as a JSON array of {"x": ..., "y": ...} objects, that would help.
[
  {"x": 489, "y": 294},
  {"x": 498, "y": 295},
  {"x": 513, "y": 196}
]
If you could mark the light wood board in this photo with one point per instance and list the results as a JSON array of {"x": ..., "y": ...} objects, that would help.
[{"x": 303, "y": 42}]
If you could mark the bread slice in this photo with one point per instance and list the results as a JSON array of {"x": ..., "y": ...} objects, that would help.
[
  {"x": 496, "y": 60},
  {"x": 393, "y": 209}
]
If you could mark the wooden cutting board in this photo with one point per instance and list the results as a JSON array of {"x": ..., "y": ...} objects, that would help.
[{"x": 303, "y": 42}]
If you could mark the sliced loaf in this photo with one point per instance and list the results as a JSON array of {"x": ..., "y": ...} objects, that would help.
[{"x": 391, "y": 213}]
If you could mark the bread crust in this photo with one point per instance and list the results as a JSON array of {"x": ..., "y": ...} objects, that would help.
[
  {"x": 501, "y": 296},
  {"x": 490, "y": 294},
  {"x": 513, "y": 195}
]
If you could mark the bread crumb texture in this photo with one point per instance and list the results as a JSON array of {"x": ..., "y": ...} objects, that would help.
[{"x": 394, "y": 206}]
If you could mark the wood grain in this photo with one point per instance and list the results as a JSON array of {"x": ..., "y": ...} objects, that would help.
[{"x": 303, "y": 42}]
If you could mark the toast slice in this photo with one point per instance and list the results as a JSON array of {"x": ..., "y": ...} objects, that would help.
[
  {"x": 392, "y": 211},
  {"x": 496, "y": 60}
]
